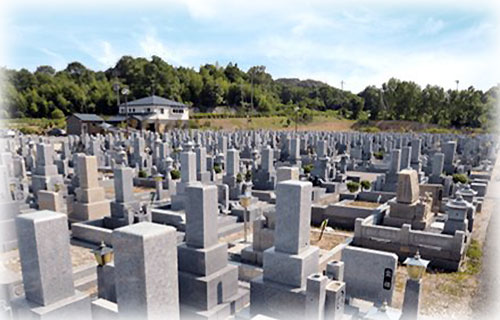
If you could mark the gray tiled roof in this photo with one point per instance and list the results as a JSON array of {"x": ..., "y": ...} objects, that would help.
[
  {"x": 88, "y": 117},
  {"x": 154, "y": 101},
  {"x": 117, "y": 118}
]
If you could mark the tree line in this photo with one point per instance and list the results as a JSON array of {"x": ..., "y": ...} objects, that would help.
[{"x": 54, "y": 94}]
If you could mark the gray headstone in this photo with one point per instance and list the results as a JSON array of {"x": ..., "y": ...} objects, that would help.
[
  {"x": 146, "y": 271},
  {"x": 201, "y": 216},
  {"x": 293, "y": 212},
  {"x": 43, "y": 240}
]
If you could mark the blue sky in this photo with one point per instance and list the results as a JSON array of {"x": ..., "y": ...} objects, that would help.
[{"x": 359, "y": 42}]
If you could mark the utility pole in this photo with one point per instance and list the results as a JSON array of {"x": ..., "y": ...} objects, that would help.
[
  {"x": 457, "y": 83},
  {"x": 116, "y": 88},
  {"x": 251, "y": 96},
  {"x": 342, "y": 85},
  {"x": 296, "y": 120},
  {"x": 125, "y": 92}
]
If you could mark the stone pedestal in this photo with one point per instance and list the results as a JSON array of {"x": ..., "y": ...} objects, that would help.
[
  {"x": 411, "y": 301},
  {"x": 50, "y": 200}
]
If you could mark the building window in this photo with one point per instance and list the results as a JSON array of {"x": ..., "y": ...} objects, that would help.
[
  {"x": 178, "y": 110},
  {"x": 149, "y": 109},
  {"x": 162, "y": 110}
]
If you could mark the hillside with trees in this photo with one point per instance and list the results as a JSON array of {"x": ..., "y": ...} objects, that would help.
[{"x": 53, "y": 94}]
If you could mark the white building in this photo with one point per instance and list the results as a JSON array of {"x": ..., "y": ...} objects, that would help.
[{"x": 153, "y": 112}]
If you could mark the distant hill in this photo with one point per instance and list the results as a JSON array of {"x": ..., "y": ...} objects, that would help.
[{"x": 50, "y": 93}]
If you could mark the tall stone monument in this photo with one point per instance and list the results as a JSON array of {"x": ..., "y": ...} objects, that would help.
[
  {"x": 90, "y": 202},
  {"x": 290, "y": 287},
  {"x": 208, "y": 284}
]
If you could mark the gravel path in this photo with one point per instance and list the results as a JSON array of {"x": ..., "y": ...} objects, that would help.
[{"x": 486, "y": 302}]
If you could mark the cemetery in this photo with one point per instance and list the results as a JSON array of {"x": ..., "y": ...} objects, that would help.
[{"x": 261, "y": 224}]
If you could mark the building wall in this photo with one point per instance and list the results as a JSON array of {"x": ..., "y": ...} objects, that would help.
[
  {"x": 77, "y": 126},
  {"x": 160, "y": 112},
  {"x": 73, "y": 125}
]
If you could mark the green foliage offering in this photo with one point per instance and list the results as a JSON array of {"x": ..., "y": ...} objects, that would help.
[
  {"x": 48, "y": 93},
  {"x": 239, "y": 178},
  {"x": 459, "y": 177},
  {"x": 352, "y": 186},
  {"x": 366, "y": 185},
  {"x": 175, "y": 174},
  {"x": 379, "y": 155},
  {"x": 308, "y": 168},
  {"x": 248, "y": 176},
  {"x": 142, "y": 174},
  {"x": 217, "y": 168}
]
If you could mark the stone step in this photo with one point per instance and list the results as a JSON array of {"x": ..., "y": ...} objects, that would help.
[
  {"x": 230, "y": 229},
  {"x": 86, "y": 283},
  {"x": 84, "y": 271},
  {"x": 223, "y": 221}
]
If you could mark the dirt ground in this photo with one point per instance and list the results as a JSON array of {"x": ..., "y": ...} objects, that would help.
[
  {"x": 277, "y": 123},
  {"x": 79, "y": 257},
  {"x": 363, "y": 204},
  {"x": 329, "y": 240}
]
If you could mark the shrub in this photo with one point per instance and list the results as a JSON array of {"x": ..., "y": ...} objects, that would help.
[
  {"x": 459, "y": 177},
  {"x": 57, "y": 114},
  {"x": 175, "y": 174},
  {"x": 378, "y": 155},
  {"x": 369, "y": 129},
  {"x": 366, "y": 185},
  {"x": 193, "y": 124},
  {"x": 28, "y": 130},
  {"x": 142, "y": 174},
  {"x": 307, "y": 168},
  {"x": 352, "y": 186},
  {"x": 217, "y": 168}
]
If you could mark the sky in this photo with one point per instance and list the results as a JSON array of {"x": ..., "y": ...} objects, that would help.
[{"x": 358, "y": 42}]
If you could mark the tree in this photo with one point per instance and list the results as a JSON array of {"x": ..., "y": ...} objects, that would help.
[{"x": 46, "y": 70}]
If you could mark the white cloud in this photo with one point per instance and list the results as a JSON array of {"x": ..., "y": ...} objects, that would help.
[
  {"x": 109, "y": 56},
  {"x": 361, "y": 45},
  {"x": 363, "y": 64},
  {"x": 432, "y": 26},
  {"x": 57, "y": 60}
]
